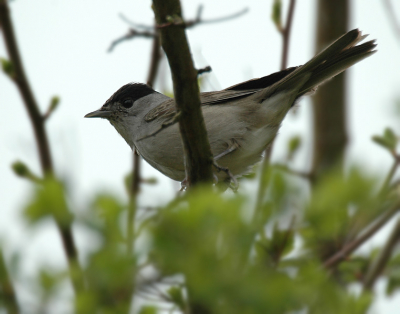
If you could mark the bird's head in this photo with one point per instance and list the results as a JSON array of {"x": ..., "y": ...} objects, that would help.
[{"x": 128, "y": 101}]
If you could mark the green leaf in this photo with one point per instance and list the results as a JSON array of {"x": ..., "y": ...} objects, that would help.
[
  {"x": 294, "y": 145},
  {"x": 49, "y": 280},
  {"x": 7, "y": 67},
  {"x": 109, "y": 209},
  {"x": 393, "y": 273},
  {"x": 150, "y": 181},
  {"x": 388, "y": 140},
  {"x": 175, "y": 293},
  {"x": 22, "y": 170},
  {"x": 54, "y": 102},
  {"x": 393, "y": 283},
  {"x": 276, "y": 14},
  {"x": 354, "y": 269},
  {"x": 280, "y": 244},
  {"x": 339, "y": 203},
  {"x": 49, "y": 200},
  {"x": 147, "y": 309}
]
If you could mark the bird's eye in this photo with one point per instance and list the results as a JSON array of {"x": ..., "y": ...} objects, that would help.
[{"x": 127, "y": 103}]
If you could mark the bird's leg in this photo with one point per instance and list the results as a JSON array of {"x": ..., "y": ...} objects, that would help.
[
  {"x": 230, "y": 175},
  {"x": 231, "y": 148}
]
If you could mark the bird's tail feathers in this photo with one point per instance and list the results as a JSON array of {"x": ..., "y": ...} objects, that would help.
[{"x": 337, "y": 57}]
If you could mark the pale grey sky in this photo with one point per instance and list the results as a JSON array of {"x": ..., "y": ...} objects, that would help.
[{"x": 64, "y": 45}]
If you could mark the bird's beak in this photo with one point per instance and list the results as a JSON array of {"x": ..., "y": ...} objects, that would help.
[{"x": 99, "y": 114}]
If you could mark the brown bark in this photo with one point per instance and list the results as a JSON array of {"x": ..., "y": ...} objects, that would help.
[
  {"x": 329, "y": 103},
  {"x": 198, "y": 157},
  {"x": 38, "y": 124}
]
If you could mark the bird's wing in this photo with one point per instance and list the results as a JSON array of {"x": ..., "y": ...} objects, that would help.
[{"x": 167, "y": 108}]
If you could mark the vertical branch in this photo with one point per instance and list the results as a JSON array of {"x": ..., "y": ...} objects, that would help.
[
  {"x": 133, "y": 192},
  {"x": 155, "y": 60},
  {"x": 392, "y": 17},
  {"x": 268, "y": 151},
  {"x": 136, "y": 177},
  {"x": 286, "y": 35},
  {"x": 197, "y": 150},
  {"x": 38, "y": 124},
  {"x": 24, "y": 88},
  {"x": 7, "y": 289},
  {"x": 378, "y": 266},
  {"x": 329, "y": 106}
]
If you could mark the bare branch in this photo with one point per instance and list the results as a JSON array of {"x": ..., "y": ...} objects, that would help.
[
  {"x": 368, "y": 233},
  {"x": 391, "y": 173},
  {"x": 378, "y": 266},
  {"x": 132, "y": 33},
  {"x": 136, "y": 177},
  {"x": 148, "y": 31},
  {"x": 204, "y": 70},
  {"x": 135, "y": 25},
  {"x": 392, "y": 17},
  {"x": 286, "y": 35},
  {"x": 7, "y": 288},
  {"x": 302, "y": 174},
  {"x": 198, "y": 20},
  {"x": 155, "y": 61},
  {"x": 37, "y": 121},
  {"x": 285, "y": 32}
]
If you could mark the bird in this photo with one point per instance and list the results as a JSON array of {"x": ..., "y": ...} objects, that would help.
[{"x": 241, "y": 120}]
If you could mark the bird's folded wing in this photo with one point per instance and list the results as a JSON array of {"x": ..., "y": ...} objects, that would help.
[{"x": 167, "y": 108}]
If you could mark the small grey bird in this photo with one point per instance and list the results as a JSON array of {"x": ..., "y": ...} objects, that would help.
[{"x": 241, "y": 120}]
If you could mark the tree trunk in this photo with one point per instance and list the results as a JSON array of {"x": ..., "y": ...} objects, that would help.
[{"x": 329, "y": 103}]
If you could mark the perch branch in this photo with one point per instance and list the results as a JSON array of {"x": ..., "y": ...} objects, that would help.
[{"x": 197, "y": 150}]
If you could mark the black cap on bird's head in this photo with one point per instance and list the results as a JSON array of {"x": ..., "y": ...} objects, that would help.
[{"x": 125, "y": 97}]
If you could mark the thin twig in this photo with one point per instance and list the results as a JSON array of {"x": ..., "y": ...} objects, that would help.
[
  {"x": 149, "y": 31},
  {"x": 133, "y": 24},
  {"x": 368, "y": 233},
  {"x": 286, "y": 35},
  {"x": 37, "y": 121},
  {"x": 392, "y": 17},
  {"x": 132, "y": 33},
  {"x": 302, "y": 174},
  {"x": 132, "y": 205},
  {"x": 154, "y": 61},
  {"x": 199, "y": 20},
  {"x": 7, "y": 288},
  {"x": 284, "y": 59},
  {"x": 136, "y": 177},
  {"x": 378, "y": 266},
  {"x": 288, "y": 233},
  {"x": 204, "y": 70},
  {"x": 285, "y": 51},
  {"x": 391, "y": 173}
]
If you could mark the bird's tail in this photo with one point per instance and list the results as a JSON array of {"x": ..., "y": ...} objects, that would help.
[{"x": 333, "y": 60}]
